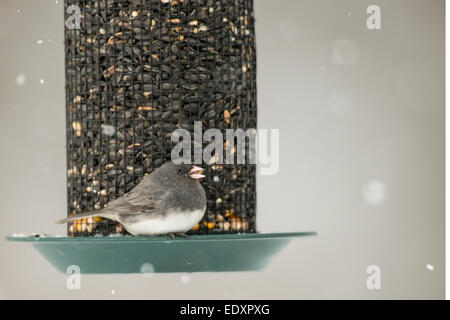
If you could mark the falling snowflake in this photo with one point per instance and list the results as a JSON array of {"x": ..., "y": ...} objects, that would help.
[
  {"x": 430, "y": 267},
  {"x": 108, "y": 130},
  {"x": 147, "y": 270},
  {"x": 185, "y": 278},
  {"x": 20, "y": 79},
  {"x": 40, "y": 42},
  {"x": 289, "y": 30},
  {"x": 344, "y": 52},
  {"x": 374, "y": 192},
  {"x": 42, "y": 81}
]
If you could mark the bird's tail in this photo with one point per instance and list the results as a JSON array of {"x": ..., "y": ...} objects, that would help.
[{"x": 81, "y": 216}]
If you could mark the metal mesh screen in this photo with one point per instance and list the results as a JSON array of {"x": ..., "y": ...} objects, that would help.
[{"x": 138, "y": 69}]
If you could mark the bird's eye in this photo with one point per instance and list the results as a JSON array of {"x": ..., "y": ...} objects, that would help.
[{"x": 179, "y": 170}]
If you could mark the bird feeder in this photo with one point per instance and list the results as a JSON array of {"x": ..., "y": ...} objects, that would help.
[{"x": 136, "y": 71}]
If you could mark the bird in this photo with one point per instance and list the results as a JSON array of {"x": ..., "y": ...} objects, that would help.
[{"x": 168, "y": 201}]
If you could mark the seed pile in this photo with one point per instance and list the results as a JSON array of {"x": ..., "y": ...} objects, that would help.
[{"x": 138, "y": 69}]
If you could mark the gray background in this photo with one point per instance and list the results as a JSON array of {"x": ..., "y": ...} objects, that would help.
[{"x": 361, "y": 119}]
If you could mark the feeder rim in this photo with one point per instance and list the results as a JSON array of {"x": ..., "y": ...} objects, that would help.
[{"x": 190, "y": 238}]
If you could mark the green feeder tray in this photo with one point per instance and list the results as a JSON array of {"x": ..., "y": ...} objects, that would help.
[{"x": 196, "y": 253}]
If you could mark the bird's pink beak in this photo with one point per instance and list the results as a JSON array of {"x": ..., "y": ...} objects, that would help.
[{"x": 196, "y": 173}]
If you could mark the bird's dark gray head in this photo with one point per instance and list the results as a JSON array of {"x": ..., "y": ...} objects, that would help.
[{"x": 178, "y": 174}]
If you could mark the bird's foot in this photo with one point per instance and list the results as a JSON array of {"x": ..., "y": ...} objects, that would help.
[{"x": 180, "y": 234}]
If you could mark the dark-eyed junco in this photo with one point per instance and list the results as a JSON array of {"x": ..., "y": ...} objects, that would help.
[{"x": 170, "y": 200}]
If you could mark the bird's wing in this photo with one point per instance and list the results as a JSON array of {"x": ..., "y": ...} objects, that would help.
[{"x": 144, "y": 198}]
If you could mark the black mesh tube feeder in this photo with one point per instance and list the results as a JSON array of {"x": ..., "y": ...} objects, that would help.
[{"x": 136, "y": 70}]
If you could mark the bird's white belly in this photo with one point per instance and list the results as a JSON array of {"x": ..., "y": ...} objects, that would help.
[{"x": 172, "y": 223}]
